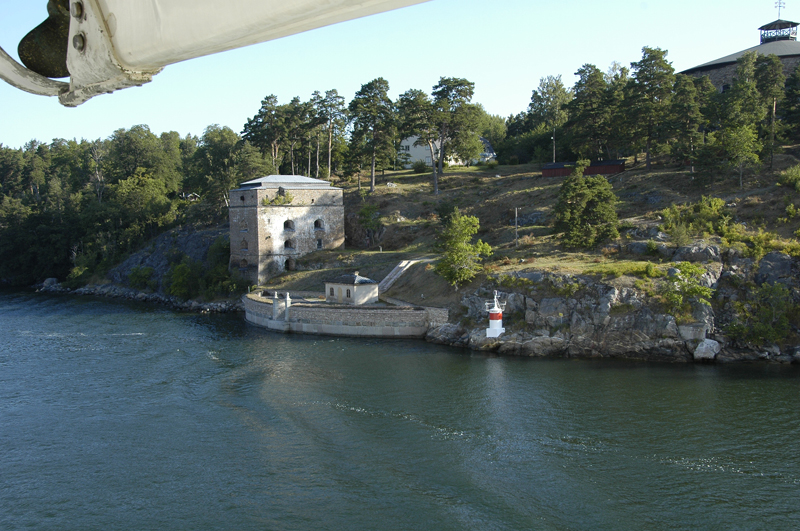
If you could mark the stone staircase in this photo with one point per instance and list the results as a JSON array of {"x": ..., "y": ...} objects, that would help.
[{"x": 396, "y": 273}]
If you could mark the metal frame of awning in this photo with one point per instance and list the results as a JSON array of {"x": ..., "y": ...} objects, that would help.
[{"x": 115, "y": 44}]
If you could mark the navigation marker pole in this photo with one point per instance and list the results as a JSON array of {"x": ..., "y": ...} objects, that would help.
[{"x": 495, "y": 309}]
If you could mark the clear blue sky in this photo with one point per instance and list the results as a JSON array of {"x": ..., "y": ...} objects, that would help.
[{"x": 504, "y": 46}]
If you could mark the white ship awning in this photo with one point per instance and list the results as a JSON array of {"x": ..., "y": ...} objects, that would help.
[
  {"x": 115, "y": 44},
  {"x": 149, "y": 34}
]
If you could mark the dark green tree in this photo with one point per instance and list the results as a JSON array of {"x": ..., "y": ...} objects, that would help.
[
  {"x": 588, "y": 112},
  {"x": 686, "y": 120},
  {"x": 791, "y": 106},
  {"x": 743, "y": 105},
  {"x": 770, "y": 83},
  {"x": 548, "y": 105},
  {"x": 373, "y": 117},
  {"x": 416, "y": 117},
  {"x": 267, "y": 130},
  {"x": 215, "y": 164},
  {"x": 650, "y": 93},
  {"x": 493, "y": 128},
  {"x": 586, "y": 209},
  {"x": 457, "y": 120},
  {"x": 139, "y": 149},
  {"x": 619, "y": 132},
  {"x": 331, "y": 109}
]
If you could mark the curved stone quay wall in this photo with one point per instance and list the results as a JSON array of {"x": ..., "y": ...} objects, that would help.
[{"x": 335, "y": 320}]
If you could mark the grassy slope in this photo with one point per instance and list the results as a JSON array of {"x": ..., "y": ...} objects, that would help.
[{"x": 408, "y": 211}]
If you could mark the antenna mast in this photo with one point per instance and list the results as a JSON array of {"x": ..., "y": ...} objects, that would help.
[{"x": 779, "y": 4}]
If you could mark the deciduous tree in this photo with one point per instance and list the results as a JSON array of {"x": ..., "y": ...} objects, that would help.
[
  {"x": 548, "y": 105},
  {"x": 461, "y": 259}
]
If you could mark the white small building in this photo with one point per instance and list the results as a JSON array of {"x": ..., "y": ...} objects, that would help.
[{"x": 351, "y": 289}]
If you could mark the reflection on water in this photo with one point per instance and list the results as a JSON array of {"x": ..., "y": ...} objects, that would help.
[{"x": 119, "y": 416}]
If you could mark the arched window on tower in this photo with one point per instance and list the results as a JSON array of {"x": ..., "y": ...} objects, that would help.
[
  {"x": 288, "y": 244},
  {"x": 244, "y": 245},
  {"x": 288, "y": 225},
  {"x": 243, "y": 264},
  {"x": 243, "y": 226},
  {"x": 319, "y": 225}
]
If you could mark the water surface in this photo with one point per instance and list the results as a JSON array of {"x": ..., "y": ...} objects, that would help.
[{"x": 121, "y": 416}]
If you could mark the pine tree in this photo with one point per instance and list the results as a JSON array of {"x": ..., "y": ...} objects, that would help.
[
  {"x": 685, "y": 119},
  {"x": 457, "y": 120},
  {"x": 586, "y": 209},
  {"x": 373, "y": 116},
  {"x": 770, "y": 83},
  {"x": 588, "y": 112},
  {"x": 653, "y": 79},
  {"x": 791, "y": 106},
  {"x": 416, "y": 116}
]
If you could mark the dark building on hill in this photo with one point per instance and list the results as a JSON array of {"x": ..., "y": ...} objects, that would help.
[
  {"x": 598, "y": 167},
  {"x": 777, "y": 38}
]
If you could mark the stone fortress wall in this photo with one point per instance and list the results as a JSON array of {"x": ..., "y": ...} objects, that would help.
[
  {"x": 271, "y": 226},
  {"x": 721, "y": 76},
  {"x": 344, "y": 320}
]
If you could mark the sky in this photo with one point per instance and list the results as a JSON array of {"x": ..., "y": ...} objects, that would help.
[{"x": 504, "y": 46}]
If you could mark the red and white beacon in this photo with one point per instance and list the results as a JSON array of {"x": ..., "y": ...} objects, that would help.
[{"x": 495, "y": 309}]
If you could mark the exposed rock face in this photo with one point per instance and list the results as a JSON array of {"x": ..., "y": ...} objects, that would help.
[
  {"x": 774, "y": 267},
  {"x": 167, "y": 248},
  {"x": 641, "y": 248},
  {"x": 448, "y": 334},
  {"x": 698, "y": 252},
  {"x": 580, "y": 317},
  {"x": 707, "y": 350}
]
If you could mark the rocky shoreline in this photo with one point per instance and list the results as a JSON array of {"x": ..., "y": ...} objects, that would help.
[
  {"x": 557, "y": 315},
  {"x": 114, "y": 291},
  {"x": 554, "y": 315}
]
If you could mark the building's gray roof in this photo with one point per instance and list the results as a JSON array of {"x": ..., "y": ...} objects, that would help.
[
  {"x": 778, "y": 24},
  {"x": 289, "y": 182},
  {"x": 779, "y": 48},
  {"x": 353, "y": 280}
]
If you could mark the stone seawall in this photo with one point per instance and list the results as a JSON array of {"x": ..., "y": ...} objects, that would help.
[{"x": 362, "y": 321}]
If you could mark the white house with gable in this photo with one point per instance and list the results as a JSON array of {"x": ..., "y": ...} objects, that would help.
[{"x": 423, "y": 152}]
